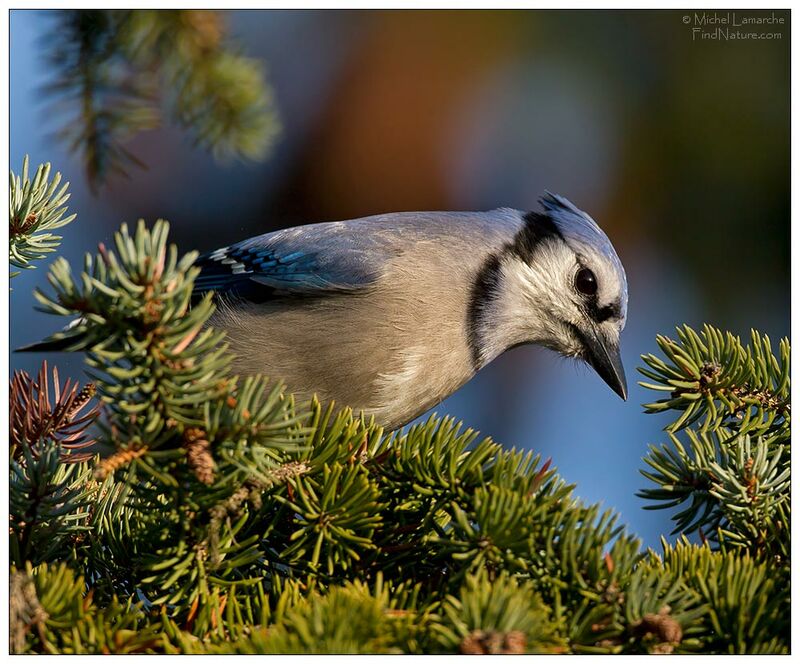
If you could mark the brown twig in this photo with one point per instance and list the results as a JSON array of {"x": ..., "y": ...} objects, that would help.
[
  {"x": 38, "y": 414},
  {"x": 117, "y": 460}
]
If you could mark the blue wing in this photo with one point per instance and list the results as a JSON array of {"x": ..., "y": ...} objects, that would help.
[{"x": 310, "y": 260}]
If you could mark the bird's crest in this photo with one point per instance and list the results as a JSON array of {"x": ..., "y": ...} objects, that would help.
[
  {"x": 578, "y": 227},
  {"x": 581, "y": 232}
]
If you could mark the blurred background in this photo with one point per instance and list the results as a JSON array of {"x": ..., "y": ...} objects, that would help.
[{"x": 678, "y": 146}]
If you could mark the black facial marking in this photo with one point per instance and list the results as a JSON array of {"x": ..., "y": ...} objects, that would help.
[
  {"x": 484, "y": 290},
  {"x": 599, "y": 314},
  {"x": 537, "y": 229}
]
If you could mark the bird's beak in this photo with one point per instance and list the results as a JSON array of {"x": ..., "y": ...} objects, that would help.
[{"x": 603, "y": 355}]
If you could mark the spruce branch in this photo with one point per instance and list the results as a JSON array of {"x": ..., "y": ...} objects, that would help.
[
  {"x": 745, "y": 603},
  {"x": 115, "y": 69},
  {"x": 731, "y": 473},
  {"x": 47, "y": 506},
  {"x": 335, "y": 514},
  {"x": 153, "y": 362},
  {"x": 714, "y": 376},
  {"x": 495, "y": 617},
  {"x": 105, "y": 100},
  {"x": 314, "y": 625},
  {"x": 66, "y": 620},
  {"x": 36, "y": 207},
  {"x": 253, "y": 424}
]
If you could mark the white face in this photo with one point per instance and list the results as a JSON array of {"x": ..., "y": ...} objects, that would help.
[
  {"x": 573, "y": 302},
  {"x": 561, "y": 290},
  {"x": 597, "y": 293}
]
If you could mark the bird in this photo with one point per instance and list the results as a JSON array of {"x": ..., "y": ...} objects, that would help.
[{"x": 392, "y": 313}]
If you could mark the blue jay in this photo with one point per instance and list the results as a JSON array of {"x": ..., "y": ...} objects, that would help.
[{"x": 390, "y": 314}]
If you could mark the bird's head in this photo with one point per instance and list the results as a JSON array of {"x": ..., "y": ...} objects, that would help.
[{"x": 560, "y": 284}]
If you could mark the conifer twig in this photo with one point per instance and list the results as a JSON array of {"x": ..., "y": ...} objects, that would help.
[
  {"x": 38, "y": 413},
  {"x": 37, "y": 207}
]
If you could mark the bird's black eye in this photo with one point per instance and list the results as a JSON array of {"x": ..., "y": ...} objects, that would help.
[{"x": 585, "y": 282}]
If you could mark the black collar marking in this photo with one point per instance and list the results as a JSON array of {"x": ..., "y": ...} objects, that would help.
[
  {"x": 484, "y": 290},
  {"x": 537, "y": 229}
]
